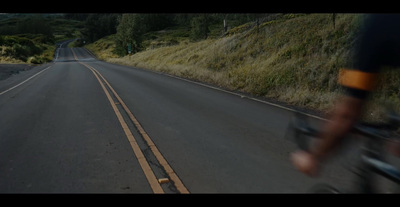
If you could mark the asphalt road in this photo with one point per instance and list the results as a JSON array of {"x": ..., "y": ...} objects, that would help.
[{"x": 61, "y": 133}]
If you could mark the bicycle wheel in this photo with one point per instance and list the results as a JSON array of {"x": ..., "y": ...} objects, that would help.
[{"x": 323, "y": 188}]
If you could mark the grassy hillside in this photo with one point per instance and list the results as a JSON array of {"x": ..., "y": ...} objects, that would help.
[
  {"x": 25, "y": 48},
  {"x": 103, "y": 48},
  {"x": 294, "y": 59},
  {"x": 31, "y": 38}
]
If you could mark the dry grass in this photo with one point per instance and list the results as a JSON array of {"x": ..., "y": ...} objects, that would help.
[
  {"x": 295, "y": 59},
  {"x": 294, "y": 56},
  {"x": 8, "y": 59},
  {"x": 103, "y": 48}
]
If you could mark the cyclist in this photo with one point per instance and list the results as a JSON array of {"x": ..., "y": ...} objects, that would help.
[{"x": 379, "y": 46}]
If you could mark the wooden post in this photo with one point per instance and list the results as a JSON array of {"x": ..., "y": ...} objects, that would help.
[{"x": 225, "y": 26}]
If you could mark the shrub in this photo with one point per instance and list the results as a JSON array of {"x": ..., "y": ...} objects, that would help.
[
  {"x": 200, "y": 28},
  {"x": 19, "y": 47}
]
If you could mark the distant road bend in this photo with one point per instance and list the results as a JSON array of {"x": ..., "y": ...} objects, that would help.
[{"x": 80, "y": 125}]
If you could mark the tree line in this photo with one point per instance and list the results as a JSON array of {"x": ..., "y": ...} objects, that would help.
[
  {"x": 36, "y": 24},
  {"x": 129, "y": 29}
]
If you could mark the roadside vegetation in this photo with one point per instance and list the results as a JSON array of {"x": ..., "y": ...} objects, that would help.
[
  {"x": 25, "y": 48},
  {"x": 292, "y": 58},
  {"x": 31, "y": 38}
]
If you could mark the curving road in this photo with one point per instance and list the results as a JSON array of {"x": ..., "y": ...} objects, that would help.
[{"x": 60, "y": 132}]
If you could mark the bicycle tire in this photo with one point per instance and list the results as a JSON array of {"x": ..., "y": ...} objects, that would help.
[{"x": 323, "y": 189}]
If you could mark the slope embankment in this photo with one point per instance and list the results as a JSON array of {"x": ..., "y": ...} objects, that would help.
[{"x": 293, "y": 59}]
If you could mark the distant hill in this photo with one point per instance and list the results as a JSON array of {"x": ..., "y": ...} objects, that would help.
[{"x": 31, "y": 38}]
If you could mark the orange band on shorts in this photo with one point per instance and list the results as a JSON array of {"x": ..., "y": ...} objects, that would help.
[{"x": 357, "y": 79}]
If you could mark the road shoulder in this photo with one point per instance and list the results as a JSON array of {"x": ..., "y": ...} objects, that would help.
[{"x": 13, "y": 74}]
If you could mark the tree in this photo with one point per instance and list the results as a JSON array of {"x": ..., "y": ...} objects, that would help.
[
  {"x": 200, "y": 26},
  {"x": 156, "y": 22},
  {"x": 76, "y": 16},
  {"x": 183, "y": 19},
  {"x": 129, "y": 31},
  {"x": 132, "y": 27},
  {"x": 257, "y": 18},
  {"x": 99, "y": 25},
  {"x": 35, "y": 25}
]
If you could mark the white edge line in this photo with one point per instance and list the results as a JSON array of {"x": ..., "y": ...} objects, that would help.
[
  {"x": 24, "y": 81},
  {"x": 236, "y": 94},
  {"x": 93, "y": 56},
  {"x": 243, "y": 96},
  {"x": 58, "y": 51}
]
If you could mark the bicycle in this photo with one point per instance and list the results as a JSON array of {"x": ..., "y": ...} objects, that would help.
[{"x": 371, "y": 159}]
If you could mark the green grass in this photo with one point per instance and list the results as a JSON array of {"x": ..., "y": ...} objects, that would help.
[
  {"x": 294, "y": 59},
  {"x": 66, "y": 28},
  {"x": 103, "y": 48},
  {"x": 25, "y": 48},
  {"x": 33, "y": 48}
]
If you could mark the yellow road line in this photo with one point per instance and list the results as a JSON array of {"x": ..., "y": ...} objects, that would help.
[
  {"x": 151, "y": 178},
  {"x": 75, "y": 57},
  {"x": 178, "y": 183}
]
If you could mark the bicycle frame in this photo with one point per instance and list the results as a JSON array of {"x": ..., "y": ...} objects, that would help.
[
  {"x": 371, "y": 160},
  {"x": 372, "y": 164}
]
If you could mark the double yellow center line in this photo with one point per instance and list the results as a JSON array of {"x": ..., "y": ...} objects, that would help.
[{"x": 151, "y": 178}]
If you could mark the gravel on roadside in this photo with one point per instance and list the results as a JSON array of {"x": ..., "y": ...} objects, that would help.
[{"x": 7, "y": 70}]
